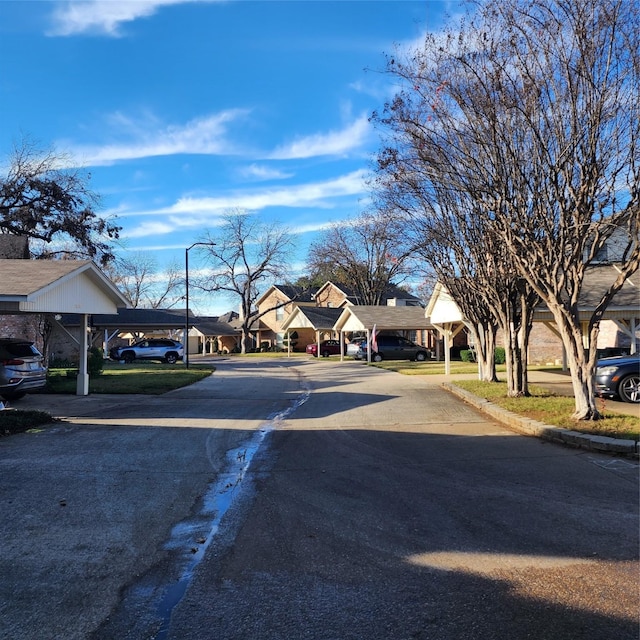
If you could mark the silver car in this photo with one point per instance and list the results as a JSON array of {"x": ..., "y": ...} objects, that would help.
[
  {"x": 161, "y": 349},
  {"x": 21, "y": 368}
]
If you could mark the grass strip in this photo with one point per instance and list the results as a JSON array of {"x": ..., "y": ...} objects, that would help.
[{"x": 546, "y": 407}]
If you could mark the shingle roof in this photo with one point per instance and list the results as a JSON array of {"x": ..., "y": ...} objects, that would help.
[
  {"x": 321, "y": 317},
  {"x": 299, "y": 294},
  {"x": 216, "y": 326},
  {"x": 383, "y": 317},
  {"x": 24, "y": 277},
  {"x": 392, "y": 291},
  {"x": 599, "y": 278},
  {"x": 148, "y": 319},
  {"x": 132, "y": 319}
]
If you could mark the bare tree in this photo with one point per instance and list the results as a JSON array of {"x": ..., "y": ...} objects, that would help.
[
  {"x": 368, "y": 254},
  {"x": 536, "y": 106},
  {"x": 138, "y": 278},
  {"x": 244, "y": 255},
  {"x": 453, "y": 237},
  {"x": 40, "y": 200}
]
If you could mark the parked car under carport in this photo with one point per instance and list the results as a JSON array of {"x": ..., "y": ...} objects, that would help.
[{"x": 22, "y": 368}]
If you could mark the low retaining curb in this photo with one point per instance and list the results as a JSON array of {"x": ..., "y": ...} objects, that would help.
[{"x": 529, "y": 427}]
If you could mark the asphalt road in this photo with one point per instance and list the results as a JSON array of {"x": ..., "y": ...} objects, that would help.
[{"x": 310, "y": 499}]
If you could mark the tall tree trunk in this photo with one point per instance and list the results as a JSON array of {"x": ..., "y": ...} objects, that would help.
[
  {"x": 581, "y": 363},
  {"x": 517, "y": 318},
  {"x": 485, "y": 339}
]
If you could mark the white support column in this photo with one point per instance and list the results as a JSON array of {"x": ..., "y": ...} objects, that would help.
[
  {"x": 448, "y": 340},
  {"x": 82, "y": 386}
]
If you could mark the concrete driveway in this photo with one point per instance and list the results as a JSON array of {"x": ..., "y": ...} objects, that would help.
[{"x": 305, "y": 499}]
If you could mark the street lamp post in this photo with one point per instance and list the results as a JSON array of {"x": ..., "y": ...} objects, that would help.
[{"x": 186, "y": 297}]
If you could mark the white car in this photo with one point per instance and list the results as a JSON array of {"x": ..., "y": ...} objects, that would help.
[{"x": 354, "y": 346}]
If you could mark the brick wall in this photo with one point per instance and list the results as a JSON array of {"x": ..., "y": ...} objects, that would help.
[
  {"x": 20, "y": 326},
  {"x": 330, "y": 296}
]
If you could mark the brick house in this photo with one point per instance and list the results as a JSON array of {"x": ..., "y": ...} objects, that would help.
[
  {"x": 280, "y": 301},
  {"x": 289, "y": 299}
]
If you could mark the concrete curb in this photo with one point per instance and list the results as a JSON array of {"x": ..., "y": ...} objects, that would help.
[{"x": 526, "y": 426}]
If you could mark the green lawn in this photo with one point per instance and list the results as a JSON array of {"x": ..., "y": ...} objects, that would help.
[
  {"x": 546, "y": 407},
  {"x": 148, "y": 378}
]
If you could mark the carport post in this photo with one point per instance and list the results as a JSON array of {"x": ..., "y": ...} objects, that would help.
[{"x": 82, "y": 384}]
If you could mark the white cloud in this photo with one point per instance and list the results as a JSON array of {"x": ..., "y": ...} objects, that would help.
[
  {"x": 148, "y": 138},
  {"x": 98, "y": 16},
  {"x": 191, "y": 213},
  {"x": 261, "y": 172},
  {"x": 311, "y": 228},
  {"x": 323, "y": 144},
  {"x": 312, "y": 194}
]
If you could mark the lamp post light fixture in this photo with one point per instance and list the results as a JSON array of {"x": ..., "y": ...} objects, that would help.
[{"x": 186, "y": 287}]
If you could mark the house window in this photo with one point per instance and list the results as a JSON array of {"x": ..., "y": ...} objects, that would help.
[{"x": 280, "y": 314}]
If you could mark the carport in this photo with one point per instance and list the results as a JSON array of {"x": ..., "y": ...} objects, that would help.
[
  {"x": 58, "y": 287},
  {"x": 446, "y": 317},
  {"x": 624, "y": 310},
  {"x": 137, "y": 322},
  {"x": 317, "y": 319},
  {"x": 366, "y": 318}
]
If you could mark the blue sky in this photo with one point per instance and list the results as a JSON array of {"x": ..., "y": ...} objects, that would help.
[{"x": 184, "y": 110}]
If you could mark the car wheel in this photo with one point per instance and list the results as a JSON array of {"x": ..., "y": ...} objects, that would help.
[
  {"x": 377, "y": 357},
  {"x": 128, "y": 357},
  {"x": 325, "y": 354},
  {"x": 171, "y": 358},
  {"x": 421, "y": 356},
  {"x": 629, "y": 388}
]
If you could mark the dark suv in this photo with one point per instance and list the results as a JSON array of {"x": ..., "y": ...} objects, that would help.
[
  {"x": 393, "y": 348},
  {"x": 21, "y": 368},
  {"x": 162, "y": 349}
]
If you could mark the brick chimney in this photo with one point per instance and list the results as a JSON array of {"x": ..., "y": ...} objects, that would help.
[{"x": 14, "y": 247}]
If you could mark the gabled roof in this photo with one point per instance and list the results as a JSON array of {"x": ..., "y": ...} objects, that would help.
[
  {"x": 57, "y": 286},
  {"x": 317, "y": 318},
  {"x": 364, "y": 317},
  {"x": 392, "y": 292},
  {"x": 441, "y": 308},
  {"x": 216, "y": 326},
  {"x": 598, "y": 278},
  {"x": 291, "y": 292}
]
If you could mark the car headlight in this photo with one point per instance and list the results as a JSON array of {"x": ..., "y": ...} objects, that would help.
[{"x": 605, "y": 371}]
